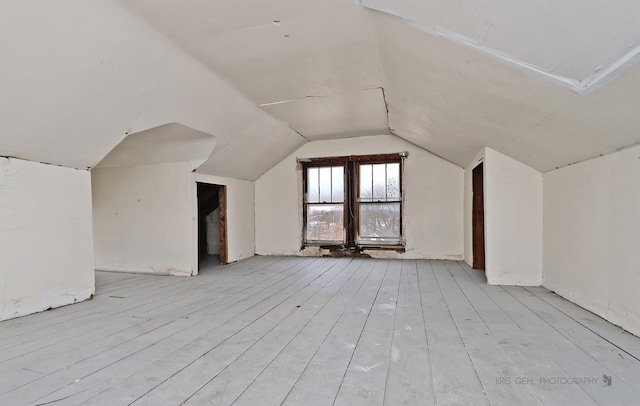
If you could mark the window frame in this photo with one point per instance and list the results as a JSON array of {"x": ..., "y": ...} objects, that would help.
[
  {"x": 305, "y": 203},
  {"x": 351, "y": 204},
  {"x": 358, "y": 203}
]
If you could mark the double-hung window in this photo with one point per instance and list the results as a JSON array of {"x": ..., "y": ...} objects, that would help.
[
  {"x": 353, "y": 201},
  {"x": 379, "y": 202},
  {"x": 325, "y": 204}
]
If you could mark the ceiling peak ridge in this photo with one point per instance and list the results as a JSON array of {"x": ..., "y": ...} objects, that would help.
[{"x": 601, "y": 77}]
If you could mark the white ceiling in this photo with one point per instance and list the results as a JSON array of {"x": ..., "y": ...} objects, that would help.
[
  {"x": 311, "y": 64},
  {"x": 345, "y": 115},
  {"x": 266, "y": 76},
  {"x": 453, "y": 101},
  {"x": 451, "y": 93},
  {"x": 273, "y": 50},
  {"x": 77, "y": 77},
  {"x": 574, "y": 39}
]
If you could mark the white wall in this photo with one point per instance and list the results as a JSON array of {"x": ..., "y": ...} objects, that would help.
[
  {"x": 592, "y": 235},
  {"x": 240, "y": 214},
  {"x": 433, "y": 200},
  {"x": 513, "y": 220},
  {"x": 143, "y": 219},
  {"x": 45, "y": 237}
]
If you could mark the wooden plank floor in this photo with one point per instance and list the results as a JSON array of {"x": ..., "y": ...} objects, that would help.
[{"x": 317, "y": 331}]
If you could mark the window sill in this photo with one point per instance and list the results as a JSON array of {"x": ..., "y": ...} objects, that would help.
[
  {"x": 341, "y": 249},
  {"x": 397, "y": 248}
]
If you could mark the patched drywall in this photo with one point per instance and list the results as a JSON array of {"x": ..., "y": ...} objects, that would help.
[
  {"x": 144, "y": 218},
  {"x": 592, "y": 234},
  {"x": 433, "y": 199},
  {"x": 45, "y": 237},
  {"x": 240, "y": 214}
]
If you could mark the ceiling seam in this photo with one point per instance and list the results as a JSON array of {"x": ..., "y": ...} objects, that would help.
[
  {"x": 635, "y": 144},
  {"x": 318, "y": 96}
]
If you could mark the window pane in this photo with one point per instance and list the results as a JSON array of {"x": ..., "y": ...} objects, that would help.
[
  {"x": 337, "y": 184},
  {"x": 313, "y": 192},
  {"x": 379, "y": 182},
  {"x": 325, "y": 222},
  {"x": 380, "y": 221},
  {"x": 366, "y": 192},
  {"x": 393, "y": 181},
  {"x": 325, "y": 184}
]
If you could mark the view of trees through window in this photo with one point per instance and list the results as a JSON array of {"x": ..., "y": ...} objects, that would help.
[
  {"x": 325, "y": 218},
  {"x": 379, "y": 201}
]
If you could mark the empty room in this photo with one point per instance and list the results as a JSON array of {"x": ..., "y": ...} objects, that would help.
[{"x": 319, "y": 202}]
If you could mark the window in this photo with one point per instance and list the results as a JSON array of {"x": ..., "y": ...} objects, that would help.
[
  {"x": 379, "y": 202},
  {"x": 325, "y": 204},
  {"x": 353, "y": 201}
]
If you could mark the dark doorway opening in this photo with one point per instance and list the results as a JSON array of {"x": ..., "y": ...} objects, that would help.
[
  {"x": 212, "y": 227},
  {"x": 478, "y": 217}
]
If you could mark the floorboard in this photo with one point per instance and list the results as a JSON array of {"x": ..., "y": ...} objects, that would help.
[{"x": 317, "y": 331}]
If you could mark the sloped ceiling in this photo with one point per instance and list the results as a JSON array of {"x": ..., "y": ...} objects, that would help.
[
  {"x": 172, "y": 142},
  {"x": 456, "y": 76},
  {"x": 575, "y": 42},
  {"x": 547, "y": 83},
  {"x": 453, "y": 101},
  {"x": 77, "y": 77},
  {"x": 353, "y": 114}
]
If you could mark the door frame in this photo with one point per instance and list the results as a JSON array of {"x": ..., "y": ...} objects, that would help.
[
  {"x": 224, "y": 249},
  {"x": 477, "y": 218},
  {"x": 222, "y": 198}
]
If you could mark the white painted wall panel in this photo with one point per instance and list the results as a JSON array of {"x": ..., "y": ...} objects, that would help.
[
  {"x": 144, "y": 218},
  {"x": 513, "y": 220},
  {"x": 592, "y": 234},
  {"x": 433, "y": 199},
  {"x": 45, "y": 237}
]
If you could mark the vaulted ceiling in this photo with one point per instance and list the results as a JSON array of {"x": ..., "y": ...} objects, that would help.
[{"x": 547, "y": 83}]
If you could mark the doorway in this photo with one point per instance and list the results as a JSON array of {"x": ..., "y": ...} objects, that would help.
[
  {"x": 212, "y": 224},
  {"x": 478, "y": 217}
]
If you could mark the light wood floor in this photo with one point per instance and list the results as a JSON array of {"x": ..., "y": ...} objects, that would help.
[{"x": 317, "y": 331}]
